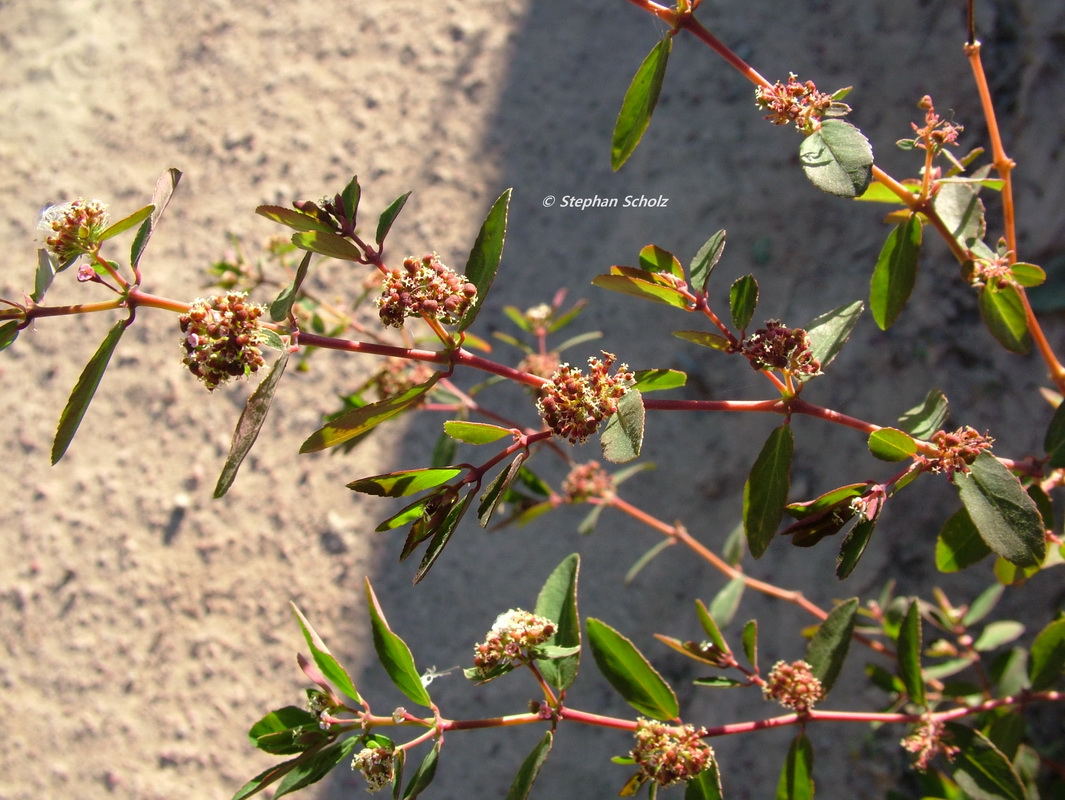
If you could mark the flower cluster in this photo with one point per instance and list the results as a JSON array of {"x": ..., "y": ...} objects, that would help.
[
  {"x": 793, "y": 686},
  {"x": 220, "y": 336},
  {"x": 926, "y": 742},
  {"x": 668, "y": 754},
  {"x": 397, "y": 375},
  {"x": 777, "y": 346},
  {"x": 376, "y": 765},
  {"x": 937, "y": 133},
  {"x": 74, "y": 228},
  {"x": 793, "y": 102},
  {"x": 512, "y": 635},
  {"x": 425, "y": 287},
  {"x": 585, "y": 481},
  {"x": 957, "y": 450},
  {"x": 542, "y": 365},
  {"x": 572, "y": 404}
]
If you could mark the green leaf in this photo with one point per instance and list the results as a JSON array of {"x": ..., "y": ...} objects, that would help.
[
  {"x": 498, "y": 488},
  {"x": 749, "y": 638},
  {"x": 1047, "y": 661},
  {"x": 854, "y": 544},
  {"x": 706, "y": 785},
  {"x": 895, "y": 272},
  {"x": 719, "y": 682},
  {"x": 250, "y": 423},
  {"x": 983, "y": 605},
  {"x": 643, "y": 289},
  {"x": 282, "y": 305},
  {"x": 648, "y": 556},
  {"x": 714, "y": 341},
  {"x": 657, "y": 259},
  {"x": 959, "y": 544},
  {"x": 980, "y": 768},
  {"x": 827, "y": 501},
  {"x": 878, "y": 192},
  {"x": 657, "y": 380},
  {"x": 475, "y": 432},
  {"x": 364, "y": 418},
  {"x": 530, "y": 768},
  {"x": 996, "y": 634},
  {"x": 713, "y": 632},
  {"x": 136, "y": 218},
  {"x": 1008, "y": 519},
  {"x": 923, "y": 420},
  {"x": 1028, "y": 275},
  {"x": 293, "y": 219},
  {"x": 286, "y": 731},
  {"x": 726, "y": 602},
  {"x": 83, "y": 391},
  {"x": 639, "y": 103},
  {"x": 442, "y": 536},
  {"x": 388, "y": 216},
  {"x": 891, "y": 444},
  {"x": 164, "y": 190},
  {"x": 909, "y": 654},
  {"x": 828, "y": 647},
  {"x": 766, "y": 492},
  {"x": 622, "y": 438},
  {"x": 394, "y": 654},
  {"x": 1054, "y": 439},
  {"x": 557, "y": 602},
  {"x": 9, "y": 332},
  {"x": 350, "y": 198},
  {"x": 327, "y": 243},
  {"x": 742, "y": 298},
  {"x": 314, "y": 766},
  {"x": 405, "y": 482},
  {"x": 324, "y": 659},
  {"x": 47, "y": 267},
  {"x": 797, "y": 778},
  {"x": 630, "y": 673},
  {"x": 830, "y": 331},
  {"x": 423, "y": 776},
  {"x": 958, "y": 206},
  {"x": 487, "y": 252},
  {"x": 705, "y": 261},
  {"x": 1003, "y": 313},
  {"x": 837, "y": 159}
]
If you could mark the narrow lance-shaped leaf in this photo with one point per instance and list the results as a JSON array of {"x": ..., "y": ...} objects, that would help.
[
  {"x": 1047, "y": 662},
  {"x": 250, "y": 423},
  {"x": 766, "y": 492},
  {"x": 749, "y": 639},
  {"x": 909, "y": 654},
  {"x": 286, "y": 731},
  {"x": 643, "y": 289},
  {"x": 136, "y": 218},
  {"x": 1005, "y": 515},
  {"x": 705, "y": 261},
  {"x": 359, "y": 420},
  {"x": 1054, "y": 439},
  {"x": 895, "y": 272},
  {"x": 394, "y": 654},
  {"x": 557, "y": 602},
  {"x": 388, "y": 216},
  {"x": 797, "y": 778},
  {"x": 980, "y": 768},
  {"x": 726, "y": 602},
  {"x": 837, "y": 158},
  {"x": 639, "y": 103},
  {"x": 405, "y": 482},
  {"x": 530, "y": 768},
  {"x": 327, "y": 244},
  {"x": 290, "y": 217},
  {"x": 83, "y": 391},
  {"x": 442, "y": 535},
  {"x": 497, "y": 489},
  {"x": 622, "y": 438},
  {"x": 706, "y": 785},
  {"x": 47, "y": 266},
  {"x": 8, "y": 334},
  {"x": 282, "y": 305},
  {"x": 630, "y": 673},
  {"x": 475, "y": 432},
  {"x": 831, "y": 330},
  {"x": 164, "y": 190},
  {"x": 657, "y": 380},
  {"x": 713, "y": 632},
  {"x": 828, "y": 648},
  {"x": 854, "y": 544},
  {"x": 743, "y": 298},
  {"x": 425, "y": 773},
  {"x": 313, "y": 766},
  {"x": 350, "y": 198},
  {"x": 487, "y": 252},
  {"x": 324, "y": 659}
]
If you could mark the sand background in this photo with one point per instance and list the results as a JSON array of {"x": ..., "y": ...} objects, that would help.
[{"x": 145, "y": 626}]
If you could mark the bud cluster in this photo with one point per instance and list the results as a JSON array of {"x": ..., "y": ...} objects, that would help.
[
  {"x": 572, "y": 404},
  {"x": 937, "y": 133},
  {"x": 586, "y": 481},
  {"x": 512, "y": 636},
  {"x": 542, "y": 365},
  {"x": 793, "y": 686},
  {"x": 425, "y": 287},
  {"x": 668, "y": 754},
  {"x": 74, "y": 228},
  {"x": 220, "y": 337},
  {"x": 777, "y": 346},
  {"x": 376, "y": 765},
  {"x": 793, "y": 102},
  {"x": 926, "y": 742},
  {"x": 397, "y": 375},
  {"x": 957, "y": 450}
]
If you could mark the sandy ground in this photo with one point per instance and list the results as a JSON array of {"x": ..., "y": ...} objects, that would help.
[{"x": 144, "y": 625}]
